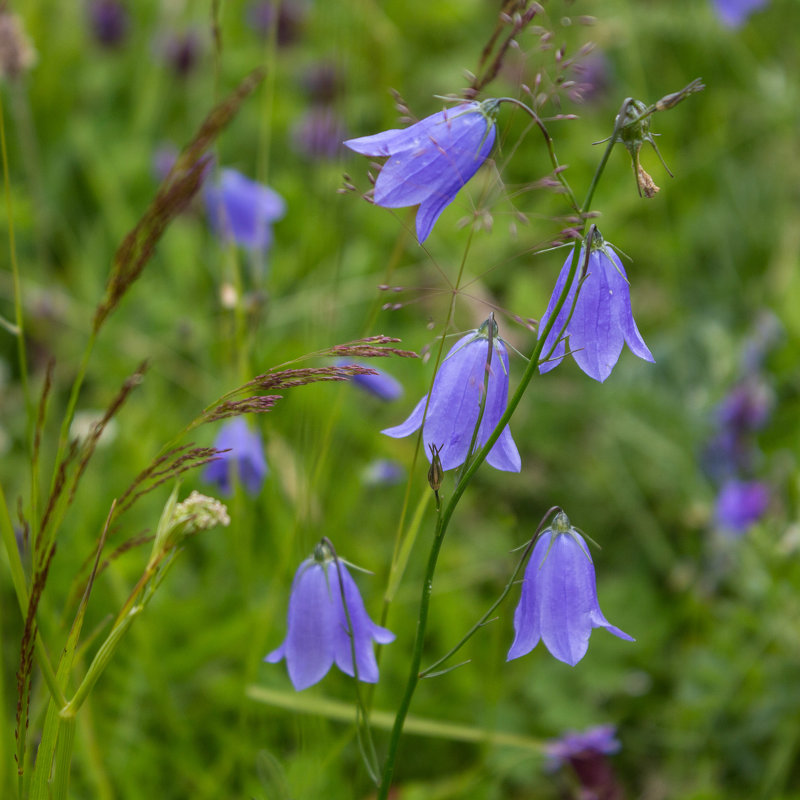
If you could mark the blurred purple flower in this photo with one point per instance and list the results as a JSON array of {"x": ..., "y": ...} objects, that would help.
[
  {"x": 591, "y": 78},
  {"x": 746, "y": 408},
  {"x": 559, "y": 603},
  {"x": 180, "y": 50},
  {"x": 587, "y": 753},
  {"x": 324, "y": 82},
  {"x": 576, "y": 744},
  {"x": 735, "y": 12},
  {"x": 109, "y": 22},
  {"x": 602, "y": 321},
  {"x": 455, "y": 404},
  {"x": 383, "y": 472},
  {"x": 382, "y": 385},
  {"x": 318, "y": 633},
  {"x": 740, "y": 504},
  {"x": 241, "y": 210},
  {"x": 244, "y": 458},
  {"x": 430, "y": 160},
  {"x": 318, "y": 133},
  {"x": 291, "y": 15}
]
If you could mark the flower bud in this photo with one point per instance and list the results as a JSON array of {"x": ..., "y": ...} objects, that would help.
[
  {"x": 179, "y": 520},
  {"x": 435, "y": 473}
]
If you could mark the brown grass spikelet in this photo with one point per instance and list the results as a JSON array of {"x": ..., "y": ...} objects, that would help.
[{"x": 173, "y": 195}]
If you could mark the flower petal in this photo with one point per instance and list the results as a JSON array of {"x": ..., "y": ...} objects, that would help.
[
  {"x": 410, "y": 425},
  {"x": 594, "y": 334},
  {"x": 312, "y": 622},
  {"x": 566, "y": 588},
  {"x": 364, "y": 629}
]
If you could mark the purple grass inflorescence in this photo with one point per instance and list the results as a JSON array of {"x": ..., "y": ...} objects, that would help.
[
  {"x": 244, "y": 458},
  {"x": 318, "y": 631},
  {"x": 430, "y": 160},
  {"x": 455, "y": 399},
  {"x": 559, "y": 603},
  {"x": 602, "y": 320}
]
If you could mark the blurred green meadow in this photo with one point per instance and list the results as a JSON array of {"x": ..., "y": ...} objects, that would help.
[{"x": 707, "y": 701}]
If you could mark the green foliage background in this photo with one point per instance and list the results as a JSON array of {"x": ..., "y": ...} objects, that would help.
[{"x": 707, "y": 702}]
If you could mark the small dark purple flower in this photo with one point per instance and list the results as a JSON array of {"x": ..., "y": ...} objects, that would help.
[
  {"x": 382, "y": 385},
  {"x": 741, "y": 504},
  {"x": 181, "y": 50},
  {"x": 735, "y": 12},
  {"x": 241, "y": 210},
  {"x": 587, "y": 753},
  {"x": 602, "y": 321},
  {"x": 576, "y": 744},
  {"x": 318, "y": 633},
  {"x": 244, "y": 458},
  {"x": 559, "y": 597},
  {"x": 290, "y": 14},
  {"x": 430, "y": 160},
  {"x": 109, "y": 22},
  {"x": 455, "y": 404},
  {"x": 318, "y": 133},
  {"x": 746, "y": 408}
]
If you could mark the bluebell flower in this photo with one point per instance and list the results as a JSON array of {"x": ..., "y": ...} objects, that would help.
[
  {"x": 242, "y": 210},
  {"x": 317, "y": 629},
  {"x": 382, "y": 385},
  {"x": 741, "y": 504},
  {"x": 455, "y": 404},
  {"x": 558, "y": 604},
  {"x": 430, "y": 160},
  {"x": 602, "y": 321},
  {"x": 735, "y": 12},
  {"x": 244, "y": 458}
]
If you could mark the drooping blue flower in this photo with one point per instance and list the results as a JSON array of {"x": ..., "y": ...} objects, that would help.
[
  {"x": 741, "y": 504},
  {"x": 241, "y": 210},
  {"x": 455, "y": 404},
  {"x": 600, "y": 739},
  {"x": 244, "y": 458},
  {"x": 430, "y": 160},
  {"x": 735, "y": 12},
  {"x": 382, "y": 385},
  {"x": 602, "y": 321},
  {"x": 558, "y": 604},
  {"x": 318, "y": 633}
]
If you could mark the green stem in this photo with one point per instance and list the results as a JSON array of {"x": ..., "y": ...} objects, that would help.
[
  {"x": 416, "y": 660},
  {"x": 66, "y": 739},
  {"x": 21, "y": 590},
  {"x": 23, "y": 363},
  {"x": 619, "y": 124}
]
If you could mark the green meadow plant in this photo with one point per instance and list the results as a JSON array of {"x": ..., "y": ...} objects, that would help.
[{"x": 480, "y": 149}]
